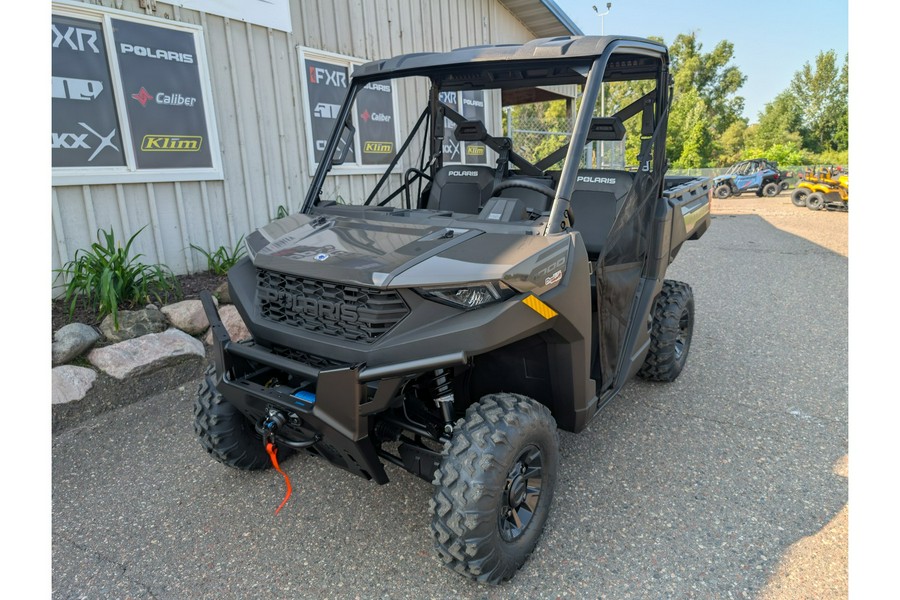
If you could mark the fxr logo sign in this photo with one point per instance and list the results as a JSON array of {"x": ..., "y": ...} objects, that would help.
[
  {"x": 171, "y": 143},
  {"x": 76, "y": 141},
  {"x": 70, "y": 88},
  {"x": 81, "y": 37},
  {"x": 327, "y": 77}
]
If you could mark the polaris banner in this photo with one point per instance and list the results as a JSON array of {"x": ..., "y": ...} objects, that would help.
[
  {"x": 375, "y": 118},
  {"x": 473, "y": 110},
  {"x": 326, "y": 87},
  {"x": 452, "y": 148},
  {"x": 160, "y": 75},
  {"x": 85, "y": 128}
]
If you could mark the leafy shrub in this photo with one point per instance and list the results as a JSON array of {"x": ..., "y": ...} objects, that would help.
[
  {"x": 219, "y": 261},
  {"x": 107, "y": 278}
]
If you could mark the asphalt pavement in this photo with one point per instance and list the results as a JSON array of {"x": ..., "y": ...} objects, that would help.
[{"x": 730, "y": 482}]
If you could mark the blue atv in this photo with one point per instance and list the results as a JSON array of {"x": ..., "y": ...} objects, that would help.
[{"x": 758, "y": 174}]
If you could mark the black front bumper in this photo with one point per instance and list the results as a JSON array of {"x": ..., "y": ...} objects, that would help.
[{"x": 337, "y": 424}]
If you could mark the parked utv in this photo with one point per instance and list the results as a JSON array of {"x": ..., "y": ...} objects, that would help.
[
  {"x": 759, "y": 174},
  {"x": 828, "y": 187},
  {"x": 449, "y": 318}
]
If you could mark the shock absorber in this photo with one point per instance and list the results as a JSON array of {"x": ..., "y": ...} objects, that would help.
[{"x": 442, "y": 392}]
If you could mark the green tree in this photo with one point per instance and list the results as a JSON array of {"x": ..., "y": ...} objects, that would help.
[
  {"x": 779, "y": 122},
  {"x": 821, "y": 93},
  {"x": 711, "y": 75}
]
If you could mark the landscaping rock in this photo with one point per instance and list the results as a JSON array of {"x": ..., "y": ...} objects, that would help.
[
  {"x": 133, "y": 324},
  {"x": 223, "y": 294},
  {"x": 187, "y": 316},
  {"x": 146, "y": 353},
  {"x": 71, "y": 383},
  {"x": 233, "y": 323},
  {"x": 72, "y": 341}
]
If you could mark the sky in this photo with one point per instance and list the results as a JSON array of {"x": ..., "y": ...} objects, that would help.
[{"x": 772, "y": 40}]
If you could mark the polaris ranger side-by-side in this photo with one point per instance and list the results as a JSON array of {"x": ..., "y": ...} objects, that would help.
[{"x": 449, "y": 317}]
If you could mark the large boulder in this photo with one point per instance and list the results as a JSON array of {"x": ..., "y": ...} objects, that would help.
[
  {"x": 133, "y": 324},
  {"x": 72, "y": 341},
  {"x": 188, "y": 316},
  {"x": 147, "y": 353},
  {"x": 233, "y": 323},
  {"x": 71, "y": 383}
]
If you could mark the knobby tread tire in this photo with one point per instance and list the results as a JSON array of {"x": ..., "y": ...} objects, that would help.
[
  {"x": 798, "y": 196},
  {"x": 661, "y": 363},
  {"x": 226, "y": 434},
  {"x": 470, "y": 486}
]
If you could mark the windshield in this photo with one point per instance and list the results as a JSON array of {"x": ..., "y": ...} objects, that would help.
[{"x": 402, "y": 133}]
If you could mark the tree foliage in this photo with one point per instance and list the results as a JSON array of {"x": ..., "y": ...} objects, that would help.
[{"x": 805, "y": 123}]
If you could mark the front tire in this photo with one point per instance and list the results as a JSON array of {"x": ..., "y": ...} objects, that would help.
[
  {"x": 226, "y": 434},
  {"x": 670, "y": 332},
  {"x": 798, "y": 196},
  {"x": 722, "y": 192},
  {"x": 494, "y": 487}
]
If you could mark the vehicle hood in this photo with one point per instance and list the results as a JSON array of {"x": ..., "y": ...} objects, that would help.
[{"x": 378, "y": 253}]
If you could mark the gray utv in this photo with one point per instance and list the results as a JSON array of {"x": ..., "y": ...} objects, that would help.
[{"x": 449, "y": 315}]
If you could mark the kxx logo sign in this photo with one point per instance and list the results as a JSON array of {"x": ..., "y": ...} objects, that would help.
[{"x": 79, "y": 141}]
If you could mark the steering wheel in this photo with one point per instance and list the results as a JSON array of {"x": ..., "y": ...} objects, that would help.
[{"x": 525, "y": 184}]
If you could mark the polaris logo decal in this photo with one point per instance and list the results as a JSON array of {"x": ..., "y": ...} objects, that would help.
[
  {"x": 463, "y": 173},
  {"x": 321, "y": 257},
  {"x": 585, "y": 179},
  {"x": 378, "y": 87},
  {"x": 473, "y": 102},
  {"x": 325, "y": 310},
  {"x": 157, "y": 53}
]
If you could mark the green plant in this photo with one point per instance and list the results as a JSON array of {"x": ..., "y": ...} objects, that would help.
[
  {"x": 107, "y": 278},
  {"x": 219, "y": 261}
]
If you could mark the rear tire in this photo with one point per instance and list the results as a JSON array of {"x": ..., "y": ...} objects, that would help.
[
  {"x": 226, "y": 434},
  {"x": 771, "y": 190},
  {"x": 494, "y": 487},
  {"x": 670, "y": 333},
  {"x": 798, "y": 196},
  {"x": 815, "y": 201}
]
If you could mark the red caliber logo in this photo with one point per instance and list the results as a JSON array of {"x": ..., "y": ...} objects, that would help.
[
  {"x": 365, "y": 116},
  {"x": 143, "y": 96}
]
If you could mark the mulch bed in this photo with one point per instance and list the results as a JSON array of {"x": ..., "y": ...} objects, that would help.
[{"x": 191, "y": 286}]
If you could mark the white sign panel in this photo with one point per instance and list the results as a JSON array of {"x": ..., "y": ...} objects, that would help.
[{"x": 268, "y": 13}]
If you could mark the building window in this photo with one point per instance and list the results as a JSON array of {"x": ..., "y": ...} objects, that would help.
[{"x": 131, "y": 99}]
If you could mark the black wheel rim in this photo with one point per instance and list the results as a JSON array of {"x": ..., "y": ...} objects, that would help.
[
  {"x": 521, "y": 494},
  {"x": 681, "y": 340}
]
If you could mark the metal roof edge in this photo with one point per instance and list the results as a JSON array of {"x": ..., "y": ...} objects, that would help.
[{"x": 562, "y": 17}]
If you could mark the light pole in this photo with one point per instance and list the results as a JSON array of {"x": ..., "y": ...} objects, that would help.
[{"x": 602, "y": 85}]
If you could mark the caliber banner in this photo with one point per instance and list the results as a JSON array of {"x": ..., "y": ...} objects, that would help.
[
  {"x": 85, "y": 129},
  {"x": 160, "y": 74}
]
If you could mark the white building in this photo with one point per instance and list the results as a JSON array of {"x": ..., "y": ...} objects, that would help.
[{"x": 199, "y": 119}]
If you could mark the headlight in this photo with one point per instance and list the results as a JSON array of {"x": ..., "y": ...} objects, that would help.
[{"x": 470, "y": 296}]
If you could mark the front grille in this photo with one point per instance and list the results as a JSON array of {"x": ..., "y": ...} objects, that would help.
[{"x": 349, "y": 312}]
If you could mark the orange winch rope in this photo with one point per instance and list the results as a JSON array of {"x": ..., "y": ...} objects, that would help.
[{"x": 271, "y": 449}]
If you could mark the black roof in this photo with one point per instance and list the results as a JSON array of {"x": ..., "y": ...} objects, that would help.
[{"x": 567, "y": 49}]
